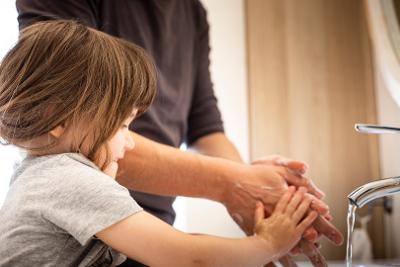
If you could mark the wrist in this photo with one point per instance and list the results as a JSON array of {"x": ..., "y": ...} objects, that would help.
[
  {"x": 223, "y": 177},
  {"x": 271, "y": 252}
]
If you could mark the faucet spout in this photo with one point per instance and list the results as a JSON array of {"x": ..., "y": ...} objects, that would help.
[
  {"x": 376, "y": 129},
  {"x": 373, "y": 190}
]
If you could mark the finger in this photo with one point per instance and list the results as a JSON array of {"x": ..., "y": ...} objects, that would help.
[
  {"x": 297, "y": 167},
  {"x": 329, "y": 230},
  {"x": 313, "y": 254},
  {"x": 293, "y": 178},
  {"x": 270, "y": 159},
  {"x": 296, "y": 179},
  {"x": 287, "y": 261},
  {"x": 301, "y": 210},
  {"x": 270, "y": 264},
  {"x": 315, "y": 190},
  {"x": 259, "y": 213},
  {"x": 328, "y": 217},
  {"x": 318, "y": 205},
  {"x": 295, "y": 251},
  {"x": 284, "y": 200},
  {"x": 311, "y": 234},
  {"x": 301, "y": 227},
  {"x": 295, "y": 201}
]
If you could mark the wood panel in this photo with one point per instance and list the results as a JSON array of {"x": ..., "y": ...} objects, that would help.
[{"x": 310, "y": 80}]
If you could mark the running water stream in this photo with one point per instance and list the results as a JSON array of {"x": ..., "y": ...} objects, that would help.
[{"x": 351, "y": 219}]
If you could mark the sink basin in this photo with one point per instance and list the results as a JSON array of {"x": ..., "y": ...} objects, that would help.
[{"x": 355, "y": 264}]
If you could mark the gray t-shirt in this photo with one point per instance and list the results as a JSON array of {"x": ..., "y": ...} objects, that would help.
[{"x": 54, "y": 207}]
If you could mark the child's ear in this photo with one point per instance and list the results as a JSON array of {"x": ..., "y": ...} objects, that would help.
[{"x": 58, "y": 131}]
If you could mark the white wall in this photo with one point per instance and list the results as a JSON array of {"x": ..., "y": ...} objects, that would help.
[
  {"x": 228, "y": 70},
  {"x": 228, "y": 67},
  {"x": 389, "y": 151},
  {"x": 9, "y": 35}
]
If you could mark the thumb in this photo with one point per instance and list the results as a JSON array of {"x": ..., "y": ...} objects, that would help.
[
  {"x": 297, "y": 167},
  {"x": 259, "y": 213},
  {"x": 111, "y": 169}
]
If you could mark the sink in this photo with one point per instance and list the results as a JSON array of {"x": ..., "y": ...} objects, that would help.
[{"x": 355, "y": 264}]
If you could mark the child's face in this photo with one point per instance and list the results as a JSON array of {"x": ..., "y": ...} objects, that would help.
[{"x": 122, "y": 141}]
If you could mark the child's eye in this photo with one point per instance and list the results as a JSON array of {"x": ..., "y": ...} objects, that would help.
[{"x": 125, "y": 126}]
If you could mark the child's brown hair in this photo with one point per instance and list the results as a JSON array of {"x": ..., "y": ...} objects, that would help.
[{"x": 64, "y": 73}]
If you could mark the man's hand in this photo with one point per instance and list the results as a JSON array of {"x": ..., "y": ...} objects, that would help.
[
  {"x": 266, "y": 183},
  {"x": 299, "y": 168},
  {"x": 322, "y": 225},
  {"x": 268, "y": 180},
  {"x": 296, "y": 167}
]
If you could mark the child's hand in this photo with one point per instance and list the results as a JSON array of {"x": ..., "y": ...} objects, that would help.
[
  {"x": 284, "y": 228},
  {"x": 111, "y": 169}
]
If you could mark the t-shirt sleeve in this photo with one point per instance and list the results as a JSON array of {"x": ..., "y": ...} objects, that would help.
[
  {"x": 84, "y": 201},
  {"x": 31, "y": 11},
  {"x": 204, "y": 117}
]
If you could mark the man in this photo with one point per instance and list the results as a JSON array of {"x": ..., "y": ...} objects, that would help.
[{"x": 175, "y": 34}]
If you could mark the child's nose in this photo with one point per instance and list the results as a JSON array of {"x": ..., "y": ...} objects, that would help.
[{"x": 129, "y": 143}]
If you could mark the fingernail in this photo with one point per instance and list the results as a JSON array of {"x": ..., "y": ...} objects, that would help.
[
  {"x": 306, "y": 166},
  {"x": 337, "y": 239},
  {"x": 282, "y": 162},
  {"x": 324, "y": 206},
  {"x": 321, "y": 193}
]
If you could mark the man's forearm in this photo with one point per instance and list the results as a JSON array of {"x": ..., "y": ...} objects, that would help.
[
  {"x": 216, "y": 145},
  {"x": 159, "y": 169}
]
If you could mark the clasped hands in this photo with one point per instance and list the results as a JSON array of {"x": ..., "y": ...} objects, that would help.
[{"x": 267, "y": 180}]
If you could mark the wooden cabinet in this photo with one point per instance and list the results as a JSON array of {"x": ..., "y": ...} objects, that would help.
[{"x": 310, "y": 79}]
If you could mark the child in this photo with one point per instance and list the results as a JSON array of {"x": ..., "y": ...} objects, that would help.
[{"x": 67, "y": 96}]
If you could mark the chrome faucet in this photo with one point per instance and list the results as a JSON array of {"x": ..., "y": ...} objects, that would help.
[
  {"x": 375, "y": 129},
  {"x": 379, "y": 188},
  {"x": 373, "y": 190}
]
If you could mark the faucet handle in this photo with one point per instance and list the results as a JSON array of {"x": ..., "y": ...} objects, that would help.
[{"x": 375, "y": 129}]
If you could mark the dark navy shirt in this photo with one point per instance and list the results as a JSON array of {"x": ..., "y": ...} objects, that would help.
[{"x": 176, "y": 35}]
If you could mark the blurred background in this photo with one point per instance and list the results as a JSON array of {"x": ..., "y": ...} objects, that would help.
[{"x": 293, "y": 77}]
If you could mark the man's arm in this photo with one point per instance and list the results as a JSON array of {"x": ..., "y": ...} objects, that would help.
[
  {"x": 216, "y": 145},
  {"x": 31, "y": 11},
  {"x": 159, "y": 169}
]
